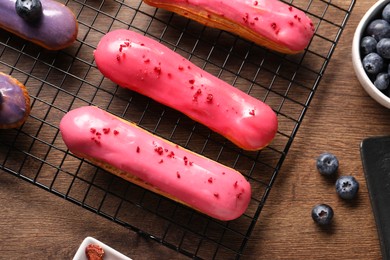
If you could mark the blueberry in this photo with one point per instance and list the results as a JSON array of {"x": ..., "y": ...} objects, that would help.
[
  {"x": 29, "y": 10},
  {"x": 368, "y": 45},
  {"x": 327, "y": 164},
  {"x": 322, "y": 214},
  {"x": 373, "y": 63},
  {"x": 382, "y": 81},
  {"x": 383, "y": 48},
  {"x": 378, "y": 29},
  {"x": 347, "y": 187},
  {"x": 386, "y": 13}
]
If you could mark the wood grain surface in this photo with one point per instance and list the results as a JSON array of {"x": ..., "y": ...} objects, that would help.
[{"x": 35, "y": 224}]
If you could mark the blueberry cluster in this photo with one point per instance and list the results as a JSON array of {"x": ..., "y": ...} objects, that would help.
[
  {"x": 375, "y": 50},
  {"x": 346, "y": 187}
]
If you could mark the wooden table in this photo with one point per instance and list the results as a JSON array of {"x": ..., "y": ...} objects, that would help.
[{"x": 37, "y": 225}]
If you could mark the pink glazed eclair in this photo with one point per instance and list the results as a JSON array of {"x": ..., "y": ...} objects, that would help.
[
  {"x": 141, "y": 64},
  {"x": 269, "y": 23},
  {"x": 132, "y": 153}
]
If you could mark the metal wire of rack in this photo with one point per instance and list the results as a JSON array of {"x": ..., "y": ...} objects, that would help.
[{"x": 63, "y": 80}]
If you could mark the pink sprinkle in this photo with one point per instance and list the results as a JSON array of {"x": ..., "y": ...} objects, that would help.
[
  {"x": 159, "y": 150},
  {"x": 297, "y": 17},
  {"x": 157, "y": 70},
  {"x": 246, "y": 17},
  {"x": 197, "y": 93},
  {"x": 96, "y": 141},
  {"x": 209, "y": 98}
]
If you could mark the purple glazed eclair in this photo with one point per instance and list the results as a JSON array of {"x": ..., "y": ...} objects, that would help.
[
  {"x": 14, "y": 102},
  {"x": 56, "y": 29}
]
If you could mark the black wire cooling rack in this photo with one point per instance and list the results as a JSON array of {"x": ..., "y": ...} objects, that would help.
[{"x": 62, "y": 80}]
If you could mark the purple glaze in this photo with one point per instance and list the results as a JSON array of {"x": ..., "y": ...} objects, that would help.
[
  {"x": 56, "y": 30},
  {"x": 13, "y": 106}
]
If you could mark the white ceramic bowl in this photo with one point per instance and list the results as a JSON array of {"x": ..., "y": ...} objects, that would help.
[
  {"x": 109, "y": 253},
  {"x": 364, "y": 80}
]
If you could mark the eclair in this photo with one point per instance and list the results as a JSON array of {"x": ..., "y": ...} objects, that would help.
[
  {"x": 143, "y": 65},
  {"x": 269, "y": 23},
  {"x": 54, "y": 26},
  {"x": 136, "y": 155},
  {"x": 14, "y": 102}
]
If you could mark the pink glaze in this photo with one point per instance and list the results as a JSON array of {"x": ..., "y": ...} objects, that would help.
[
  {"x": 201, "y": 183},
  {"x": 272, "y": 19},
  {"x": 143, "y": 65}
]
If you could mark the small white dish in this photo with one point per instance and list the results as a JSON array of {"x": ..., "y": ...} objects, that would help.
[
  {"x": 364, "y": 80},
  {"x": 110, "y": 253}
]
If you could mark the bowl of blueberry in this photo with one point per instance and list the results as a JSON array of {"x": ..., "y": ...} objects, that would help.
[{"x": 371, "y": 52}]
